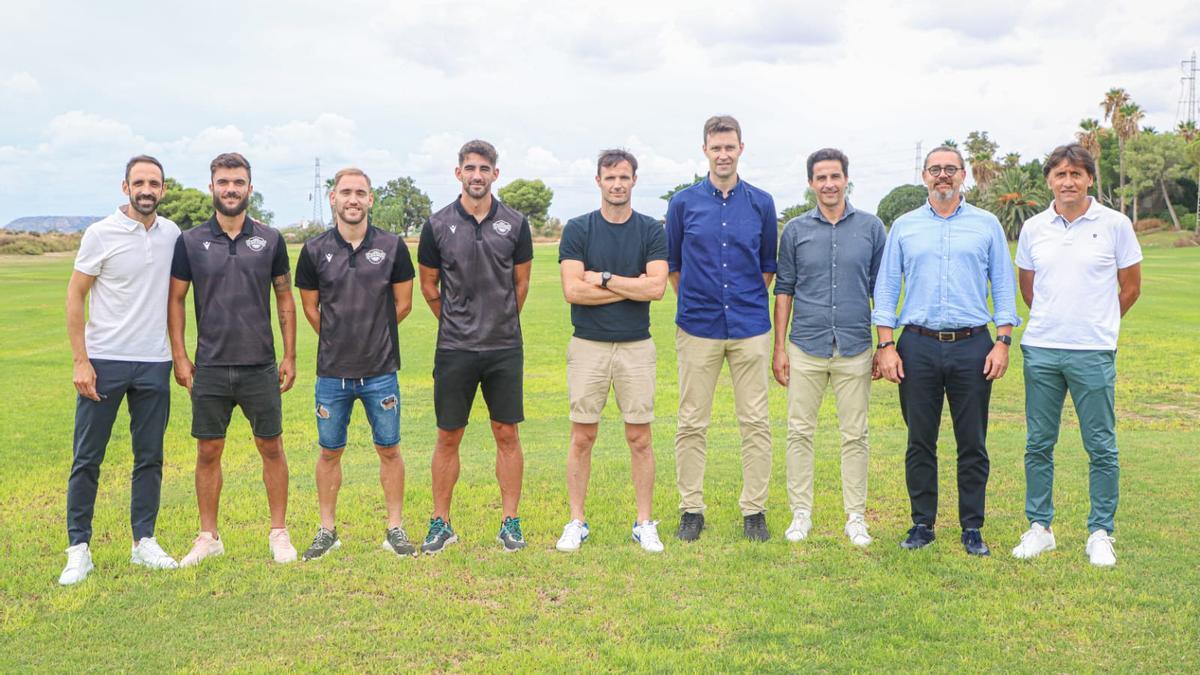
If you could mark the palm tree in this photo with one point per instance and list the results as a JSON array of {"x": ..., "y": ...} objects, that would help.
[
  {"x": 1188, "y": 130},
  {"x": 950, "y": 143},
  {"x": 1113, "y": 100},
  {"x": 981, "y": 152},
  {"x": 1089, "y": 138},
  {"x": 1014, "y": 197},
  {"x": 1012, "y": 159},
  {"x": 1126, "y": 121}
]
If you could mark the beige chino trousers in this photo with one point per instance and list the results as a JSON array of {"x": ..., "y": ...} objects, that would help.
[
  {"x": 850, "y": 378},
  {"x": 700, "y": 360}
]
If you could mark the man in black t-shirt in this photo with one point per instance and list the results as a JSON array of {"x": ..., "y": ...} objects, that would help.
[
  {"x": 356, "y": 284},
  {"x": 234, "y": 262},
  {"x": 613, "y": 263},
  {"x": 475, "y": 256}
]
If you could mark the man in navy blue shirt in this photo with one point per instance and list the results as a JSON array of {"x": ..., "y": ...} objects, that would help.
[{"x": 721, "y": 240}]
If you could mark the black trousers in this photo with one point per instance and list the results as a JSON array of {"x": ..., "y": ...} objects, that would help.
[
  {"x": 147, "y": 387},
  {"x": 935, "y": 371}
]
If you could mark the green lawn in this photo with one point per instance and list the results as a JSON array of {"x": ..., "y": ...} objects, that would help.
[{"x": 723, "y": 604}]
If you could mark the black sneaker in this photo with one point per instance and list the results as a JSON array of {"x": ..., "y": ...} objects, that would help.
[
  {"x": 324, "y": 542},
  {"x": 919, "y": 536},
  {"x": 755, "y": 527},
  {"x": 690, "y": 525},
  {"x": 973, "y": 543},
  {"x": 439, "y": 537},
  {"x": 397, "y": 540},
  {"x": 510, "y": 535}
]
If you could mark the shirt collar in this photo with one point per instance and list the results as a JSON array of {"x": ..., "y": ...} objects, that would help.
[
  {"x": 366, "y": 242},
  {"x": 816, "y": 213},
  {"x": 466, "y": 215},
  {"x": 962, "y": 200},
  {"x": 711, "y": 189},
  {"x": 1093, "y": 212},
  {"x": 131, "y": 224},
  {"x": 247, "y": 227}
]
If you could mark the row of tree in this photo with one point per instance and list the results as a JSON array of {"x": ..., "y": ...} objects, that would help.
[{"x": 188, "y": 207}]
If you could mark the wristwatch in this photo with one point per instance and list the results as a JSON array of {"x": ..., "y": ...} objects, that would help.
[
  {"x": 887, "y": 343},
  {"x": 604, "y": 277},
  {"x": 1006, "y": 339}
]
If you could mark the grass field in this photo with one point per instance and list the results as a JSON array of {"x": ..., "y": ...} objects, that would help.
[{"x": 723, "y": 604}]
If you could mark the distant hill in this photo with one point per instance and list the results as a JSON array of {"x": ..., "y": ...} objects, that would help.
[{"x": 52, "y": 223}]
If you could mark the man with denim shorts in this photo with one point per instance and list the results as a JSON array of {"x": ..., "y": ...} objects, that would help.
[
  {"x": 475, "y": 256},
  {"x": 234, "y": 263},
  {"x": 613, "y": 263},
  {"x": 355, "y": 284}
]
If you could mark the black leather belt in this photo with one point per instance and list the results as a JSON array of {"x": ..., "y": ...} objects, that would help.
[{"x": 946, "y": 335}]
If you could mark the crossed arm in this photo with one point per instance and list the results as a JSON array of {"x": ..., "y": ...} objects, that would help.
[{"x": 582, "y": 287}]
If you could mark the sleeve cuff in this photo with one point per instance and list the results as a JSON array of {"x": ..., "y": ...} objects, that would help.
[{"x": 886, "y": 319}]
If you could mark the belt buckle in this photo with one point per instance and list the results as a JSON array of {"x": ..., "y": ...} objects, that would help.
[{"x": 946, "y": 336}]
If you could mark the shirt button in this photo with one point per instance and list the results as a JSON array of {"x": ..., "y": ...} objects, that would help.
[
  {"x": 722, "y": 224},
  {"x": 724, "y": 244},
  {"x": 726, "y": 285},
  {"x": 726, "y": 306},
  {"x": 724, "y": 265}
]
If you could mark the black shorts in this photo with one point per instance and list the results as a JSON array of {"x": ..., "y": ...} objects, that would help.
[
  {"x": 217, "y": 389},
  {"x": 458, "y": 374}
]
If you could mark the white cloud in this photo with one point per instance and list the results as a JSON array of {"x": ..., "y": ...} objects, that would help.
[{"x": 20, "y": 84}]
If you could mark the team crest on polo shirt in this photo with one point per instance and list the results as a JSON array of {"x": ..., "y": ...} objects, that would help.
[
  {"x": 375, "y": 256},
  {"x": 502, "y": 227},
  {"x": 256, "y": 244}
]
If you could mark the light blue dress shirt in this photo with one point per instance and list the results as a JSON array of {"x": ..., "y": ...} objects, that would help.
[{"x": 945, "y": 265}]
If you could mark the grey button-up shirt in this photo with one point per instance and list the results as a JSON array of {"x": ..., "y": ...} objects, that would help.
[{"x": 829, "y": 269}]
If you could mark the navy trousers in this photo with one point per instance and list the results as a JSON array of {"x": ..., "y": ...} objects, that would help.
[
  {"x": 937, "y": 371},
  {"x": 147, "y": 388}
]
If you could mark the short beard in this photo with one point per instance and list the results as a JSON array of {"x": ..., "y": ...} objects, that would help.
[
  {"x": 235, "y": 211},
  {"x": 145, "y": 211},
  {"x": 341, "y": 214}
]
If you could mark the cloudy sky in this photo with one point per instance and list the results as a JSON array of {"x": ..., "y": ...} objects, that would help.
[{"x": 395, "y": 88}]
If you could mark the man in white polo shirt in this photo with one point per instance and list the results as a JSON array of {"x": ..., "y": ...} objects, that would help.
[
  {"x": 1080, "y": 272},
  {"x": 124, "y": 262}
]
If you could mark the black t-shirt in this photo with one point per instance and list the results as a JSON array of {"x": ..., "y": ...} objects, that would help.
[
  {"x": 475, "y": 263},
  {"x": 358, "y": 308},
  {"x": 231, "y": 290},
  {"x": 622, "y": 249}
]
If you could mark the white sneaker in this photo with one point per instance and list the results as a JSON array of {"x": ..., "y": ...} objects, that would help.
[
  {"x": 148, "y": 553},
  {"x": 856, "y": 530},
  {"x": 1035, "y": 541},
  {"x": 573, "y": 536},
  {"x": 646, "y": 534},
  {"x": 801, "y": 524},
  {"x": 79, "y": 563},
  {"x": 1100, "y": 549},
  {"x": 281, "y": 546},
  {"x": 205, "y": 546}
]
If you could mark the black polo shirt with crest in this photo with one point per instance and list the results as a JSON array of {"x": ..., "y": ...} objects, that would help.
[
  {"x": 358, "y": 307},
  {"x": 475, "y": 263},
  {"x": 231, "y": 290}
]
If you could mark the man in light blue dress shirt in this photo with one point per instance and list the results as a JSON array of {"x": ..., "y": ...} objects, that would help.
[{"x": 948, "y": 254}]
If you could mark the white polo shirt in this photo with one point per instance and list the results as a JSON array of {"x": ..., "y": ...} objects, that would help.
[
  {"x": 1076, "y": 301},
  {"x": 127, "y": 308}
]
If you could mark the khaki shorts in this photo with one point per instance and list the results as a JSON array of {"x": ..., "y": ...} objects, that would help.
[{"x": 594, "y": 367}]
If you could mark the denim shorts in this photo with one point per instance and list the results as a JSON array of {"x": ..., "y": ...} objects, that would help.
[
  {"x": 217, "y": 389},
  {"x": 335, "y": 397}
]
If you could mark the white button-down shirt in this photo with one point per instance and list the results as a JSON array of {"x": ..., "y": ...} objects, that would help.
[
  {"x": 127, "y": 308},
  {"x": 1076, "y": 303}
]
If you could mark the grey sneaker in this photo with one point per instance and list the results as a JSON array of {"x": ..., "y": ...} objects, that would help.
[
  {"x": 324, "y": 542},
  {"x": 397, "y": 540},
  {"x": 440, "y": 536},
  {"x": 690, "y": 525},
  {"x": 510, "y": 535}
]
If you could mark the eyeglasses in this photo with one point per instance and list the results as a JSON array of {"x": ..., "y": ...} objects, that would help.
[{"x": 936, "y": 171}]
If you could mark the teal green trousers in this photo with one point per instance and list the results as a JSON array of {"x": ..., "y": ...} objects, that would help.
[{"x": 1090, "y": 377}]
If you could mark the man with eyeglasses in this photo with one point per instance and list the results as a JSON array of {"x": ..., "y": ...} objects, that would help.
[{"x": 946, "y": 253}]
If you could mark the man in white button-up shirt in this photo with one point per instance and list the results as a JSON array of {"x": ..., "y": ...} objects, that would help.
[
  {"x": 1080, "y": 272},
  {"x": 124, "y": 264}
]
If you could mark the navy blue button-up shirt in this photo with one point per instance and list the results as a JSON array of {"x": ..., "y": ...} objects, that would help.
[
  {"x": 829, "y": 269},
  {"x": 721, "y": 245}
]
